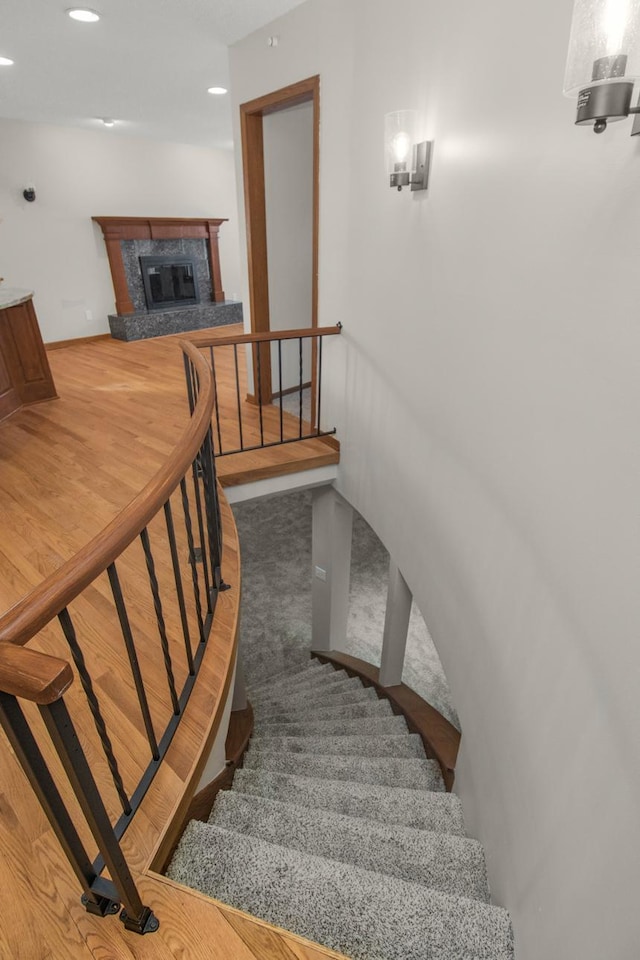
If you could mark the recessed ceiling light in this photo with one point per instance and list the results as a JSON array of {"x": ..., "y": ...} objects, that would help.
[
  {"x": 83, "y": 14},
  {"x": 5, "y": 62},
  {"x": 108, "y": 122},
  {"x": 218, "y": 91}
]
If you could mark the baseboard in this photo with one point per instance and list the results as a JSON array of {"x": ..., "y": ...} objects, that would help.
[
  {"x": 284, "y": 393},
  {"x": 60, "y": 344}
]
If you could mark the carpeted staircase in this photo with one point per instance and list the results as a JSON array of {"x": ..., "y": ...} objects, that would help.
[{"x": 338, "y": 829}]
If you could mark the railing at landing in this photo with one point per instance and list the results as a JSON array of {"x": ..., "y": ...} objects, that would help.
[
  {"x": 285, "y": 402},
  {"x": 154, "y": 575}
]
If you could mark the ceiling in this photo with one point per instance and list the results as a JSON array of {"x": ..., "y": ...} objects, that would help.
[{"x": 146, "y": 63}]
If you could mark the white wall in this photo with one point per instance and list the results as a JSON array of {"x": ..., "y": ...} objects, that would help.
[
  {"x": 52, "y": 247},
  {"x": 288, "y": 176},
  {"x": 489, "y": 368}
]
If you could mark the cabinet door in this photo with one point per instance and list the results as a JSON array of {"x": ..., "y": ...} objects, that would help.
[
  {"x": 24, "y": 354},
  {"x": 9, "y": 400}
]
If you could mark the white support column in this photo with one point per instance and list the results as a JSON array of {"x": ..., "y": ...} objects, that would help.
[
  {"x": 331, "y": 559},
  {"x": 396, "y": 626}
]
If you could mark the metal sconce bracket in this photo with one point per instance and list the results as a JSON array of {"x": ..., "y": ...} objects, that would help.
[{"x": 420, "y": 179}]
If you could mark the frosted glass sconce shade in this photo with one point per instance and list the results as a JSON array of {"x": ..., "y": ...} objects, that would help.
[
  {"x": 603, "y": 59},
  {"x": 407, "y": 162}
]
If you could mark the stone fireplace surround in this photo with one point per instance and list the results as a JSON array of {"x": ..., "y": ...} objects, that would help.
[{"x": 128, "y": 238}]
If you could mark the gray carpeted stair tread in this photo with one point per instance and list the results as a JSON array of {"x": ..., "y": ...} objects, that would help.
[
  {"x": 424, "y": 810},
  {"x": 443, "y": 862},
  {"x": 336, "y": 727},
  {"x": 368, "y": 708},
  {"x": 312, "y": 668},
  {"x": 294, "y": 688},
  {"x": 386, "y": 771},
  {"x": 365, "y": 915},
  {"x": 336, "y": 683},
  {"x": 404, "y": 746},
  {"x": 271, "y": 667},
  {"x": 350, "y": 691}
]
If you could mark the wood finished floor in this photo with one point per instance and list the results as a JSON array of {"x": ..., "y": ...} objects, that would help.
[{"x": 66, "y": 468}]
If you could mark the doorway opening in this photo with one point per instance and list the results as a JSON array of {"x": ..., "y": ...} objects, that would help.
[{"x": 280, "y": 153}]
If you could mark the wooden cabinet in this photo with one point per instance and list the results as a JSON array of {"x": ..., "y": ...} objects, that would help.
[{"x": 25, "y": 375}]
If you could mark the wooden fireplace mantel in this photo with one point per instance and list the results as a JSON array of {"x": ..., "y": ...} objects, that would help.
[{"x": 115, "y": 229}]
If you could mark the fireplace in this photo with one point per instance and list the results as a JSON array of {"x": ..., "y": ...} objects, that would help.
[
  {"x": 169, "y": 282},
  {"x": 166, "y": 276}
]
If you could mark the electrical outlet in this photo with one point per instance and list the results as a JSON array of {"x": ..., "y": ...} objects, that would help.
[{"x": 321, "y": 574}]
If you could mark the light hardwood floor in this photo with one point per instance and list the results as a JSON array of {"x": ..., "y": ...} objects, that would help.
[{"x": 66, "y": 468}]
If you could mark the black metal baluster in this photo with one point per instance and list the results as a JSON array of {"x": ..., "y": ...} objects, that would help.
[
  {"x": 260, "y": 396},
  {"x": 235, "y": 358},
  {"x": 188, "y": 381},
  {"x": 196, "y": 472},
  {"x": 175, "y": 560},
  {"x": 56, "y": 717},
  {"x": 215, "y": 398},
  {"x": 85, "y": 679},
  {"x": 192, "y": 557},
  {"x": 195, "y": 381},
  {"x": 14, "y": 723},
  {"x": 319, "y": 383},
  {"x": 127, "y": 635},
  {"x": 300, "y": 386},
  {"x": 212, "y": 515},
  {"x": 162, "y": 631},
  {"x": 280, "y": 386}
]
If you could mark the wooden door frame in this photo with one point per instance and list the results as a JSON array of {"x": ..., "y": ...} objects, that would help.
[{"x": 251, "y": 115}]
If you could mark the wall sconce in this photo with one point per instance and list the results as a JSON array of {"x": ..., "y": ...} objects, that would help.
[
  {"x": 29, "y": 193},
  {"x": 603, "y": 60},
  {"x": 407, "y": 161}
]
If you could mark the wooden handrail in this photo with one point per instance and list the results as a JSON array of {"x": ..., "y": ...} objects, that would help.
[
  {"x": 206, "y": 340},
  {"x": 33, "y": 611},
  {"x": 33, "y": 675}
]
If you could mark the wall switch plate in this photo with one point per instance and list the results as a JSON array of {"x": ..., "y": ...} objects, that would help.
[{"x": 321, "y": 573}]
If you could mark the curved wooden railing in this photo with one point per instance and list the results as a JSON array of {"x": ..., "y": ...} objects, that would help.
[{"x": 155, "y": 608}]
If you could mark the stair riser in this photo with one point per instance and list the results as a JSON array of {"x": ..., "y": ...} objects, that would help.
[
  {"x": 353, "y": 694},
  {"x": 371, "y": 726},
  {"x": 389, "y": 772},
  {"x": 405, "y": 746},
  {"x": 295, "y": 689}
]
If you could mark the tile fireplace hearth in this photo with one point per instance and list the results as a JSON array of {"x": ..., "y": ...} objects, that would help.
[{"x": 187, "y": 250}]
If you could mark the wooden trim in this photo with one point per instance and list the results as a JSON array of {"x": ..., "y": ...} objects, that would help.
[
  {"x": 440, "y": 738},
  {"x": 302, "y": 91},
  {"x": 256, "y": 219},
  {"x": 116, "y": 229},
  {"x": 315, "y": 245},
  {"x": 237, "y": 742},
  {"x": 206, "y": 340},
  {"x": 33, "y": 675},
  {"x": 44, "y": 602},
  {"x": 251, "y": 126},
  {"x": 289, "y": 390},
  {"x": 61, "y": 344},
  {"x": 331, "y": 441}
]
